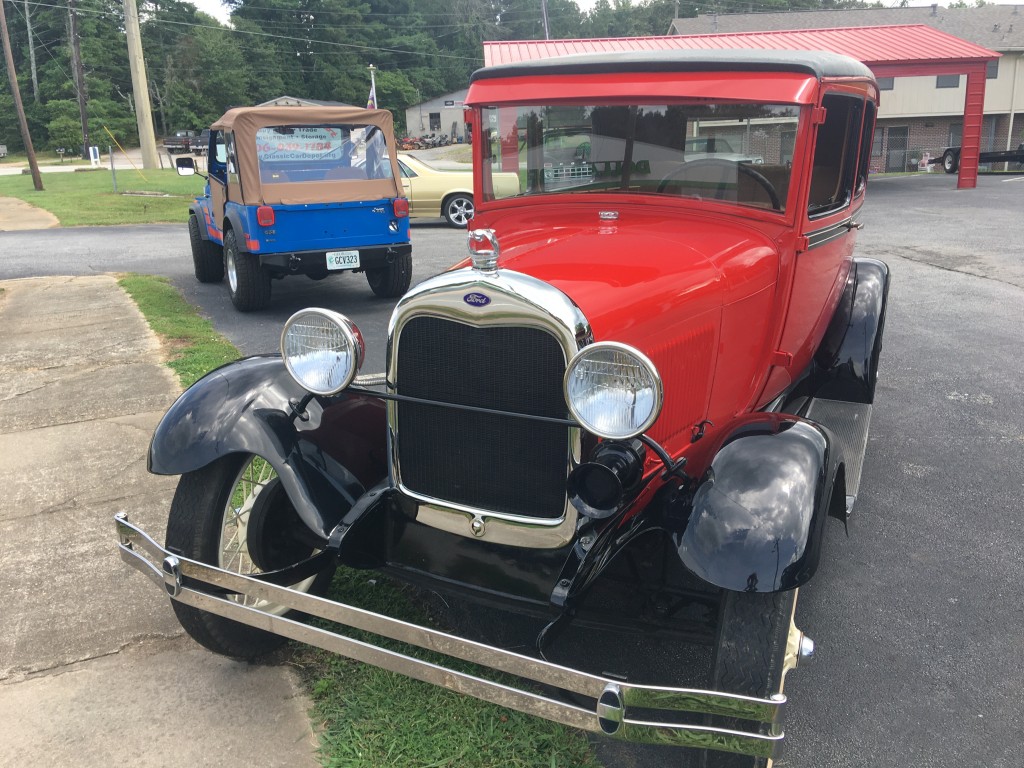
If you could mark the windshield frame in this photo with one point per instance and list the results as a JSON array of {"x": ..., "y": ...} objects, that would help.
[{"x": 490, "y": 161}]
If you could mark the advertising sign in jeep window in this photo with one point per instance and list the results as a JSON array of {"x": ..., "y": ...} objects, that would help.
[
  {"x": 303, "y": 153},
  {"x": 728, "y": 152}
]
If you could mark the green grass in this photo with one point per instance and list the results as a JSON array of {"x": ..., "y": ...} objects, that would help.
[
  {"x": 193, "y": 346},
  {"x": 87, "y": 198},
  {"x": 368, "y": 717}
]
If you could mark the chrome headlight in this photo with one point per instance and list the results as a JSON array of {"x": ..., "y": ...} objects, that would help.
[
  {"x": 613, "y": 390},
  {"x": 322, "y": 350}
]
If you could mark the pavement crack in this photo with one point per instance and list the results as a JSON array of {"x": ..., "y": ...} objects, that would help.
[{"x": 910, "y": 256}]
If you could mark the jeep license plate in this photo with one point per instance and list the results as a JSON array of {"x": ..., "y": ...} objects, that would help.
[{"x": 343, "y": 259}]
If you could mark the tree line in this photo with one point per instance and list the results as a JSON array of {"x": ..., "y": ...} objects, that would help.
[{"x": 317, "y": 49}]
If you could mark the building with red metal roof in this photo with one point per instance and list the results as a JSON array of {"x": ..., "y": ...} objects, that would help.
[
  {"x": 919, "y": 114},
  {"x": 916, "y": 50}
]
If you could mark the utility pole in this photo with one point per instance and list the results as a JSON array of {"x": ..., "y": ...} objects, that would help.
[
  {"x": 140, "y": 87},
  {"x": 31, "y": 53},
  {"x": 544, "y": 12},
  {"x": 37, "y": 180},
  {"x": 79, "y": 74}
]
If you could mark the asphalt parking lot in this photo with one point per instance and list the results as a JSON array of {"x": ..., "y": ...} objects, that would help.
[{"x": 916, "y": 612}]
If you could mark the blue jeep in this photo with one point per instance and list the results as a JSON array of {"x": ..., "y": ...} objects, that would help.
[{"x": 284, "y": 197}]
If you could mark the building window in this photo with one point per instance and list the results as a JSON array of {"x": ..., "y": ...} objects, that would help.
[
  {"x": 885, "y": 83},
  {"x": 992, "y": 70},
  {"x": 435, "y": 121},
  {"x": 947, "y": 81}
]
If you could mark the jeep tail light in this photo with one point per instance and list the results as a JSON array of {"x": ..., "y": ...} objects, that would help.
[
  {"x": 401, "y": 207},
  {"x": 265, "y": 216}
]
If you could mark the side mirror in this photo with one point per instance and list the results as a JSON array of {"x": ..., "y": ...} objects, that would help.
[{"x": 185, "y": 166}]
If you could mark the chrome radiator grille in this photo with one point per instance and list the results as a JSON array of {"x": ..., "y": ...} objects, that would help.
[{"x": 483, "y": 461}]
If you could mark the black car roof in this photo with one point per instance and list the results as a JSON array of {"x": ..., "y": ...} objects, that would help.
[{"x": 820, "y": 64}]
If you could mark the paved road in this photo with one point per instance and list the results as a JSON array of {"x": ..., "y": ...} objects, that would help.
[{"x": 917, "y": 613}]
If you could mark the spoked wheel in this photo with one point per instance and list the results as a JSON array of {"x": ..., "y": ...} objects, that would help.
[
  {"x": 458, "y": 210},
  {"x": 236, "y": 515}
]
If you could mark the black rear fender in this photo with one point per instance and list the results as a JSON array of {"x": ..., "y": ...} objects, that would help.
[
  {"x": 326, "y": 457},
  {"x": 758, "y": 514}
]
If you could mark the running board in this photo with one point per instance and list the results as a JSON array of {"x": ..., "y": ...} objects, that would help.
[{"x": 849, "y": 423}]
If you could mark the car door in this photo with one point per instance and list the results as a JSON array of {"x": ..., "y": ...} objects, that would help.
[
  {"x": 409, "y": 186},
  {"x": 218, "y": 168},
  {"x": 830, "y": 222}
]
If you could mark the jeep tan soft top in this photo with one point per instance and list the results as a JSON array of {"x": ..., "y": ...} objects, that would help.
[{"x": 244, "y": 122}]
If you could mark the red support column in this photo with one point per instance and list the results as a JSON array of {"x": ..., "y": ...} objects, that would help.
[{"x": 974, "y": 109}]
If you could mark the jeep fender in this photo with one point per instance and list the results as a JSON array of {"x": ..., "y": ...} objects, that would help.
[
  {"x": 326, "y": 455},
  {"x": 233, "y": 219},
  {"x": 758, "y": 514},
  {"x": 851, "y": 366},
  {"x": 201, "y": 212}
]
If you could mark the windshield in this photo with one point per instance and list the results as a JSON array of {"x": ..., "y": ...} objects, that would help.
[
  {"x": 734, "y": 153},
  {"x": 307, "y": 153}
]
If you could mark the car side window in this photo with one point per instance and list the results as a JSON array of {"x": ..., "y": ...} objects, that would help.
[
  {"x": 866, "y": 140},
  {"x": 835, "y": 154},
  {"x": 407, "y": 172},
  {"x": 218, "y": 163}
]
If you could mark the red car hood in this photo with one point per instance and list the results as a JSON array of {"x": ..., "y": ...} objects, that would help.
[{"x": 691, "y": 291}]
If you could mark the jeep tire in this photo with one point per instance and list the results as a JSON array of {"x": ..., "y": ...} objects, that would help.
[
  {"x": 248, "y": 280},
  {"x": 207, "y": 256},
  {"x": 393, "y": 280}
]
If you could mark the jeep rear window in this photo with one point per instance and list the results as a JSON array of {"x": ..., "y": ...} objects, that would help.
[
  {"x": 737, "y": 153},
  {"x": 305, "y": 153}
]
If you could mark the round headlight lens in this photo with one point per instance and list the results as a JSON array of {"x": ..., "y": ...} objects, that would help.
[
  {"x": 322, "y": 350},
  {"x": 613, "y": 390}
]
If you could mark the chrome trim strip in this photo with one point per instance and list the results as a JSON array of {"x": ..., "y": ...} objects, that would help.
[
  {"x": 141, "y": 552},
  {"x": 515, "y": 299}
]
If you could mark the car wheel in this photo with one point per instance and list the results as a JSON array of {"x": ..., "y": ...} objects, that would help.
[
  {"x": 950, "y": 161},
  {"x": 207, "y": 257},
  {"x": 458, "y": 210},
  {"x": 393, "y": 280},
  {"x": 248, "y": 281},
  {"x": 750, "y": 653},
  {"x": 236, "y": 515}
]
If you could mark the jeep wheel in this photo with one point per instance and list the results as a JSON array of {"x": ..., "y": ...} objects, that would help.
[
  {"x": 207, "y": 256},
  {"x": 248, "y": 281},
  {"x": 458, "y": 210},
  {"x": 236, "y": 515},
  {"x": 393, "y": 280},
  {"x": 750, "y": 654},
  {"x": 950, "y": 161}
]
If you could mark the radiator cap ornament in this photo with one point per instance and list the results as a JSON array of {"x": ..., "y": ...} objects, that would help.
[{"x": 483, "y": 249}]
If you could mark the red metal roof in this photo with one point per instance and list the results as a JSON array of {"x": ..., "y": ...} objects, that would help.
[{"x": 913, "y": 44}]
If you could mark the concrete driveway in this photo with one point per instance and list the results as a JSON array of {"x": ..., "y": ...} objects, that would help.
[{"x": 94, "y": 670}]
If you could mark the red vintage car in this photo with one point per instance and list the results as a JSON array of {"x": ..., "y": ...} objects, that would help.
[{"x": 632, "y": 408}]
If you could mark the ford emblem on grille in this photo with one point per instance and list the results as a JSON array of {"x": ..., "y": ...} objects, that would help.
[{"x": 476, "y": 299}]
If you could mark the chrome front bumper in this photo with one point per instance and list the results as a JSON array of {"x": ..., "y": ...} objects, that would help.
[{"x": 184, "y": 580}]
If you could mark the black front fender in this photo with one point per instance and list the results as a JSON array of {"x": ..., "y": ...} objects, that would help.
[
  {"x": 326, "y": 457},
  {"x": 851, "y": 367},
  {"x": 758, "y": 515}
]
